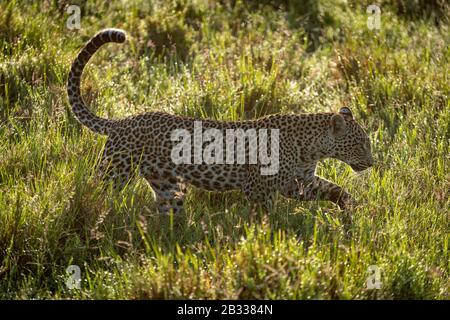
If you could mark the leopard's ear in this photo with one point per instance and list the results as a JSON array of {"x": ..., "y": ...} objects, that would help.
[
  {"x": 346, "y": 112},
  {"x": 338, "y": 125}
]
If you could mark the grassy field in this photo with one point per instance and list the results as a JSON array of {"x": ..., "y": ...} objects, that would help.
[{"x": 225, "y": 60}]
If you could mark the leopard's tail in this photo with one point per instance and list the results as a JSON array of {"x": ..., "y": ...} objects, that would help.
[{"x": 79, "y": 108}]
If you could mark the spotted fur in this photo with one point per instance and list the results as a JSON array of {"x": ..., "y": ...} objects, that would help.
[{"x": 142, "y": 144}]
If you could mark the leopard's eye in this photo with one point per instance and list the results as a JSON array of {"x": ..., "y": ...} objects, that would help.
[{"x": 366, "y": 147}]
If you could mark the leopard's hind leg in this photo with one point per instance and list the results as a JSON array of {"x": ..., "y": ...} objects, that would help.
[
  {"x": 169, "y": 195},
  {"x": 169, "y": 189},
  {"x": 116, "y": 165}
]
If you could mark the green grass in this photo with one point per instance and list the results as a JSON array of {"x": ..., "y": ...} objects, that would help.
[{"x": 225, "y": 60}]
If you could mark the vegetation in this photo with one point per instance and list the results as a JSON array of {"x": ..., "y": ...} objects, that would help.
[{"x": 225, "y": 60}]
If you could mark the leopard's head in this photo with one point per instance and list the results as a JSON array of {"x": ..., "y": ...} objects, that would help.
[{"x": 349, "y": 142}]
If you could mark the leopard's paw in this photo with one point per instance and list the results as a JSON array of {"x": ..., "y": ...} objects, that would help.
[{"x": 347, "y": 202}]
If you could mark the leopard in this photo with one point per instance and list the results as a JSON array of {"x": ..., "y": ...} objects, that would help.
[{"x": 142, "y": 145}]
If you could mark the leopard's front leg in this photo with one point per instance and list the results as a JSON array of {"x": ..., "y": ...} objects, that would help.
[
  {"x": 317, "y": 189},
  {"x": 259, "y": 191},
  {"x": 260, "y": 197}
]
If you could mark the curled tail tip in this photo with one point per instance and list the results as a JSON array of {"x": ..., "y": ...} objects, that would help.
[{"x": 114, "y": 35}]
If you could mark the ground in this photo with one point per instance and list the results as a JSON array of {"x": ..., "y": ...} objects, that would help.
[{"x": 226, "y": 60}]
